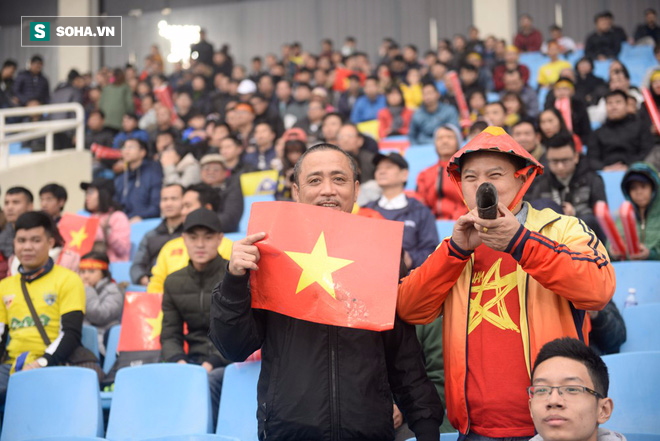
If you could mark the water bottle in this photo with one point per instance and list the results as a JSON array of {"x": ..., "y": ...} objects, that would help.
[{"x": 631, "y": 299}]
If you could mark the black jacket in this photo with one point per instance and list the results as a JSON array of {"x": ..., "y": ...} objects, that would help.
[
  {"x": 627, "y": 140},
  {"x": 321, "y": 382},
  {"x": 608, "y": 330},
  {"x": 584, "y": 190},
  {"x": 607, "y": 44},
  {"x": 150, "y": 245},
  {"x": 187, "y": 299},
  {"x": 231, "y": 205}
]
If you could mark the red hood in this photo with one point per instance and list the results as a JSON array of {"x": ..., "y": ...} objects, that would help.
[{"x": 495, "y": 139}]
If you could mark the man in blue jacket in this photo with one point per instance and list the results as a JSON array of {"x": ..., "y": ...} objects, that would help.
[
  {"x": 138, "y": 188},
  {"x": 367, "y": 106},
  {"x": 420, "y": 236},
  {"x": 430, "y": 115}
]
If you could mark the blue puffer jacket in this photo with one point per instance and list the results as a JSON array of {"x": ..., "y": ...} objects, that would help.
[
  {"x": 138, "y": 191},
  {"x": 423, "y": 123}
]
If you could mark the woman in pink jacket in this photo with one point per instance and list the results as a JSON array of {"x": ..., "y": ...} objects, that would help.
[{"x": 114, "y": 233}]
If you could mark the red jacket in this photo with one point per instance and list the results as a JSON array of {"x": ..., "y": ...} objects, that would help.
[
  {"x": 529, "y": 43},
  {"x": 500, "y": 70},
  {"x": 448, "y": 207},
  {"x": 385, "y": 122}
]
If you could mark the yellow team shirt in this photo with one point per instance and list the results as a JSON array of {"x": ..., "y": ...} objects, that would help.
[
  {"x": 412, "y": 95},
  {"x": 549, "y": 73},
  {"x": 53, "y": 295},
  {"x": 174, "y": 256}
]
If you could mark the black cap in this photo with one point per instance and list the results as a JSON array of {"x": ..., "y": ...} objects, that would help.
[
  {"x": 202, "y": 217},
  {"x": 392, "y": 156},
  {"x": 100, "y": 184}
]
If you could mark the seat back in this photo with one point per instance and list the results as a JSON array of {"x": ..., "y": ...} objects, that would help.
[
  {"x": 445, "y": 228},
  {"x": 615, "y": 198},
  {"x": 160, "y": 399},
  {"x": 644, "y": 276},
  {"x": 111, "y": 348},
  {"x": 634, "y": 388},
  {"x": 237, "y": 416},
  {"x": 121, "y": 271},
  {"x": 640, "y": 328},
  {"x": 419, "y": 157},
  {"x": 247, "y": 207},
  {"x": 139, "y": 229},
  {"x": 90, "y": 339},
  {"x": 62, "y": 400}
]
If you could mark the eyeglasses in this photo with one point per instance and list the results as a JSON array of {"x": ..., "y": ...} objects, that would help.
[{"x": 563, "y": 391}]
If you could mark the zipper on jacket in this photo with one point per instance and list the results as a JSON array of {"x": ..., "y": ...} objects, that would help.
[
  {"x": 467, "y": 327},
  {"x": 334, "y": 404}
]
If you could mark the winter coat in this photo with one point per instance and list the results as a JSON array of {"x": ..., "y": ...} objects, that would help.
[
  {"x": 28, "y": 86},
  {"x": 423, "y": 123},
  {"x": 627, "y": 140},
  {"x": 147, "y": 252},
  {"x": 103, "y": 307},
  {"x": 115, "y": 231},
  {"x": 439, "y": 193},
  {"x": 138, "y": 191},
  {"x": 186, "y": 173},
  {"x": 115, "y": 102}
]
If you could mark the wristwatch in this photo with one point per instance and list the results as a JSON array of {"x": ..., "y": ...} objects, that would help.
[{"x": 42, "y": 362}]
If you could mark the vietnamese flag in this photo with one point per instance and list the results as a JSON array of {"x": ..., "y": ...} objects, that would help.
[
  {"x": 78, "y": 232},
  {"x": 341, "y": 78},
  {"x": 326, "y": 266},
  {"x": 141, "y": 322}
]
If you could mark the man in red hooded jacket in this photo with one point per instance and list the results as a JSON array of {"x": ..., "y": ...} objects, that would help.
[{"x": 505, "y": 287}]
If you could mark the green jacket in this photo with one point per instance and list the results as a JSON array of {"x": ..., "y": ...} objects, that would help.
[
  {"x": 648, "y": 227},
  {"x": 115, "y": 102},
  {"x": 430, "y": 337},
  {"x": 187, "y": 299}
]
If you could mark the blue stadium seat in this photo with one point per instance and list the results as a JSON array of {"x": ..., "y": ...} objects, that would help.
[
  {"x": 492, "y": 97},
  {"x": 207, "y": 437},
  {"x": 453, "y": 436},
  {"x": 641, "y": 436},
  {"x": 139, "y": 229},
  {"x": 634, "y": 388},
  {"x": 534, "y": 61},
  {"x": 644, "y": 276},
  {"x": 247, "y": 207},
  {"x": 575, "y": 56},
  {"x": 90, "y": 339},
  {"x": 62, "y": 400},
  {"x": 237, "y": 416},
  {"x": 419, "y": 158},
  {"x": 602, "y": 69},
  {"x": 121, "y": 271},
  {"x": 235, "y": 236},
  {"x": 613, "y": 191},
  {"x": 111, "y": 348},
  {"x": 136, "y": 288},
  {"x": 445, "y": 228},
  {"x": 83, "y": 213},
  {"x": 640, "y": 328},
  {"x": 162, "y": 399},
  {"x": 543, "y": 95}
]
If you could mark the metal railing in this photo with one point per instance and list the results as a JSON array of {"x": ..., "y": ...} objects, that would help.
[{"x": 26, "y": 131}]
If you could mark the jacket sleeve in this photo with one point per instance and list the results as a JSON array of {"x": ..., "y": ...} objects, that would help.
[
  {"x": 105, "y": 307},
  {"x": 171, "y": 336},
  {"x": 383, "y": 123},
  {"x": 140, "y": 266},
  {"x": 232, "y": 209},
  {"x": 608, "y": 330},
  {"x": 152, "y": 208},
  {"x": 430, "y": 337},
  {"x": 577, "y": 269},
  {"x": 236, "y": 329},
  {"x": 427, "y": 237},
  {"x": 19, "y": 88},
  {"x": 645, "y": 142},
  {"x": 594, "y": 152},
  {"x": 158, "y": 274},
  {"x": 356, "y": 113},
  {"x": 68, "y": 339},
  {"x": 413, "y": 130},
  {"x": 128, "y": 99},
  {"x": 119, "y": 236},
  {"x": 597, "y": 189},
  {"x": 413, "y": 392},
  {"x": 422, "y": 293}
]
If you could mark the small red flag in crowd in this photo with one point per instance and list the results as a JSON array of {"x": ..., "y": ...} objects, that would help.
[
  {"x": 141, "y": 322},
  {"x": 326, "y": 266},
  {"x": 78, "y": 232}
]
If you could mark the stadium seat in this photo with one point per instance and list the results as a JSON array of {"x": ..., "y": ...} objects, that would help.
[
  {"x": 62, "y": 400},
  {"x": 139, "y": 229},
  {"x": 207, "y": 437},
  {"x": 247, "y": 206},
  {"x": 235, "y": 236},
  {"x": 419, "y": 158},
  {"x": 641, "y": 436},
  {"x": 613, "y": 191},
  {"x": 162, "y": 399},
  {"x": 83, "y": 213},
  {"x": 121, "y": 271},
  {"x": 602, "y": 69},
  {"x": 237, "y": 416},
  {"x": 640, "y": 326},
  {"x": 136, "y": 288},
  {"x": 492, "y": 97},
  {"x": 533, "y": 61},
  {"x": 111, "y": 348},
  {"x": 453, "y": 436},
  {"x": 634, "y": 388},
  {"x": 574, "y": 56},
  {"x": 90, "y": 339},
  {"x": 445, "y": 228},
  {"x": 543, "y": 95},
  {"x": 644, "y": 276}
]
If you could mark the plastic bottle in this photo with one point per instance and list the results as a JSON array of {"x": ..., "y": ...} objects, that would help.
[{"x": 631, "y": 299}]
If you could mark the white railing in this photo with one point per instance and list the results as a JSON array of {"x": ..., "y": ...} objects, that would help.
[{"x": 25, "y": 131}]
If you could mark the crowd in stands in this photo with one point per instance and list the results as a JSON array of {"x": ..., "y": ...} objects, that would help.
[{"x": 172, "y": 142}]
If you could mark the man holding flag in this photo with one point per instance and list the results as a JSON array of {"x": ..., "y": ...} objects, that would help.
[{"x": 320, "y": 381}]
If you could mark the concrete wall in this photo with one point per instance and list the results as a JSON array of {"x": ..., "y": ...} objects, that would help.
[{"x": 67, "y": 168}]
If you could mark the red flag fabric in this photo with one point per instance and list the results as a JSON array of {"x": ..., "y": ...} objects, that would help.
[
  {"x": 341, "y": 78},
  {"x": 141, "y": 322},
  {"x": 627, "y": 213},
  {"x": 78, "y": 232},
  {"x": 326, "y": 266}
]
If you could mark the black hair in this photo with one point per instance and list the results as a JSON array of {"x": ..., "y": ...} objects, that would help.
[
  {"x": 412, "y": 46},
  {"x": 302, "y": 84},
  {"x": 562, "y": 123},
  {"x": 175, "y": 184},
  {"x": 523, "y": 109},
  {"x": 555, "y": 27},
  {"x": 21, "y": 190},
  {"x": 206, "y": 195},
  {"x": 37, "y": 59},
  {"x": 103, "y": 257},
  {"x": 470, "y": 67},
  {"x": 9, "y": 63},
  {"x": 259, "y": 96},
  {"x": 256, "y": 58},
  {"x": 330, "y": 115},
  {"x": 106, "y": 201},
  {"x": 478, "y": 127},
  {"x": 525, "y": 121},
  {"x": 498, "y": 103},
  {"x": 72, "y": 75},
  {"x": 616, "y": 92},
  {"x": 561, "y": 139},
  {"x": 624, "y": 69},
  {"x": 35, "y": 219},
  {"x": 143, "y": 145},
  {"x": 576, "y": 350},
  {"x": 132, "y": 116},
  {"x": 321, "y": 147},
  {"x": 372, "y": 78},
  {"x": 430, "y": 84},
  {"x": 289, "y": 146},
  {"x": 56, "y": 190},
  {"x": 233, "y": 139}
]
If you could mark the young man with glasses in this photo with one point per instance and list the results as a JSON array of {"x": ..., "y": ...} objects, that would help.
[{"x": 568, "y": 397}]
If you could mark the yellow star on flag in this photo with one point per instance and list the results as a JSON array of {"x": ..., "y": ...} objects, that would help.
[
  {"x": 318, "y": 267},
  {"x": 78, "y": 237},
  {"x": 156, "y": 325}
]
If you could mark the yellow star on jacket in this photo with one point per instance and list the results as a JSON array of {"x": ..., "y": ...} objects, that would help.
[
  {"x": 156, "y": 324},
  {"x": 78, "y": 237},
  {"x": 502, "y": 286},
  {"x": 318, "y": 267}
]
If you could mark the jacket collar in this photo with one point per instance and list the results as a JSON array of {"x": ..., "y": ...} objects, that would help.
[
  {"x": 539, "y": 219},
  {"x": 213, "y": 267}
]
